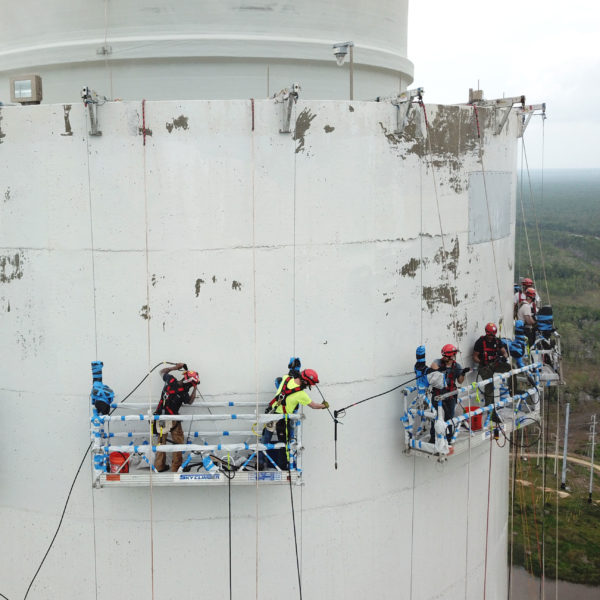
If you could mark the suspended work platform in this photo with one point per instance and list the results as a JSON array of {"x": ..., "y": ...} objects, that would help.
[
  {"x": 220, "y": 449},
  {"x": 474, "y": 422}
]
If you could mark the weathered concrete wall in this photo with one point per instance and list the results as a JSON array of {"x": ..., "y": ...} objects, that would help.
[{"x": 233, "y": 248}]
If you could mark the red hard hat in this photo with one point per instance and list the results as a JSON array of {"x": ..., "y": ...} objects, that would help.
[
  {"x": 449, "y": 350},
  {"x": 528, "y": 282},
  {"x": 191, "y": 377},
  {"x": 530, "y": 293},
  {"x": 309, "y": 377},
  {"x": 491, "y": 329}
]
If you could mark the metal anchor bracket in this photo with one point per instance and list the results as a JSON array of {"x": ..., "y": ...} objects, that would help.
[
  {"x": 527, "y": 112},
  {"x": 288, "y": 97},
  {"x": 91, "y": 100},
  {"x": 405, "y": 102}
]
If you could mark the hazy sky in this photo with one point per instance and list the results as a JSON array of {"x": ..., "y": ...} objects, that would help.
[{"x": 549, "y": 51}]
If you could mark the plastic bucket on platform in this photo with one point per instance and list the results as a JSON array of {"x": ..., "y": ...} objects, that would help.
[
  {"x": 117, "y": 462},
  {"x": 476, "y": 420}
]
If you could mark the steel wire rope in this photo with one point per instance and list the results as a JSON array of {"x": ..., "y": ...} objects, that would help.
[
  {"x": 525, "y": 230},
  {"x": 150, "y": 428},
  {"x": 445, "y": 253},
  {"x": 487, "y": 203},
  {"x": 67, "y": 503},
  {"x": 92, "y": 251},
  {"x": 557, "y": 489},
  {"x": 487, "y": 520},
  {"x": 294, "y": 354},
  {"x": 546, "y": 418},
  {"x": 106, "y": 62},
  {"x": 513, "y": 471},
  {"x": 255, "y": 331},
  {"x": 537, "y": 226},
  {"x": 527, "y": 553}
]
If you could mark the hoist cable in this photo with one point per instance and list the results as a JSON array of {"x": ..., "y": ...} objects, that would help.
[{"x": 71, "y": 490}]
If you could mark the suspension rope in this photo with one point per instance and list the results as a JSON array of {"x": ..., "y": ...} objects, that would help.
[
  {"x": 523, "y": 215},
  {"x": 445, "y": 253},
  {"x": 487, "y": 519},
  {"x": 537, "y": 227},
  {"x": 255, "y": 331},
  {"x": 487, "y": 202}
]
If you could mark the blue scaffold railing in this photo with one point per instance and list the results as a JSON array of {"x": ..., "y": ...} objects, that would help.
[
  {"x": 426, "y": 430},
  {"x": 125, "y": 442}
]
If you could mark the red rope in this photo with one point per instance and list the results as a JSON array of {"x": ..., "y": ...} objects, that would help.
[{"x": 422, "y": 105}]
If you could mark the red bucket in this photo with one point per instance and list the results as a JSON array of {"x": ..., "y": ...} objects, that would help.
[
  {"x": 476, "y": 420},
  {"x": 117, "y": 460}
]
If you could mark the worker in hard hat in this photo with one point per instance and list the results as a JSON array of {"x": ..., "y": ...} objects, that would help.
[
  {"x": 520, "y": 296},
  {"x": 527, "y": 313},
  {"x": 490, "y": 356},
  {"x": 174, "y": 393},
  {"x": 453, "y": 374},
  {"x": 290, "y": 396}
]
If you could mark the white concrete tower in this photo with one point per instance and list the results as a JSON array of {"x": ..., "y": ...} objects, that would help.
[{"x": 194, "y": 230}]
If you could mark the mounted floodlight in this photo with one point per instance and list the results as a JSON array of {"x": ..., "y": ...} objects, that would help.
[
  {"x": 26, "y": 89},
  {"x": 341, "y": 50}
]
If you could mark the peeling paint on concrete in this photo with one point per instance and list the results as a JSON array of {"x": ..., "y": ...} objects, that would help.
[
  {"x": 236, "y": 285},
  {"x": 410, "y": 268},
  {"x": 68, "y": 131},
  {"x": 458, "y": 325},
  {"x": 2, "y": 134},
  {"x": 11, "y": 268},
  {"x": 148, "y": 132},
  {"x": 8, "y": 307},
  {"x": 259, "y": 8},
  {"x": 328, "y": 128},
  {"x": 302, "y": 125},
  {"x": 145, "y": 312},
  {"x": 387, "y": 300},
  {"x": 180, "y": 122},
  {"x": 449, "y": 258},
  {"x": 351, "y": 108},
  {"x": 439, "y": 294},
  {"x": 7, "y": 195},
  {"x": 199, "y": 283},
  {"x": 214, "y": 279}
]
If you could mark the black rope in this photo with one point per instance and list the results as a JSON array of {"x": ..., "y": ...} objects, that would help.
[
  {"x": 3, "y": 596},
  {"x": 229, "y": 494},
  {"x": 60, "y": 522},
  {"x": 294, "y": 525},
  {"x": 73, "y": 485},
  {"x": 342, "y": 413},
  {"x": 343, "y": 410}
]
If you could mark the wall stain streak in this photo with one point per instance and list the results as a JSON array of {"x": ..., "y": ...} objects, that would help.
[
  {"x": 180, "y": 122},
  {"x": 302, "y": 125},
  {"x": 236, "y": 285},
  {"x": 199, "y": 283},
  {"x": 11, "y": 268},
  {"x": 145, "y": 312},
  {"x": 449, "y": 257},
  {"x": 410, "y": 268},
  {"x": 2, "y": 134},
  {"x": 439, "y": 294},
  {"x": 68, "y": 131}
]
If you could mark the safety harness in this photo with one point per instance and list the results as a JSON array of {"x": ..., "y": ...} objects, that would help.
[
  {"x": 490, "y": 351},
  {"x": 173, "y": 396},
  {"x": 280, "y": 399}
]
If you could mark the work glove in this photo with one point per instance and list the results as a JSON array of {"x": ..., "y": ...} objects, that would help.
[
  {"x": 465, "y": 371},
  {"x": 325, "y": 404}
]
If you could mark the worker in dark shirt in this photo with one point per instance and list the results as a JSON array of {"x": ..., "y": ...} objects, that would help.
[
  {"x": 174, "y": 394},
  {"x": 490, "y": 355}
]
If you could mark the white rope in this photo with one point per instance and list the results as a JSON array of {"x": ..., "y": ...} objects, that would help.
[
  {"x": 255, "y": 350},
  {"x": 487, "y": 202},
  {"x": 444, "y": 252},
  {"x": 537, "y": 227},
  {"x": 148, "y": 387},
  {"x": 87, "y": 144},
  {"x": 523, "y": 214}
]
